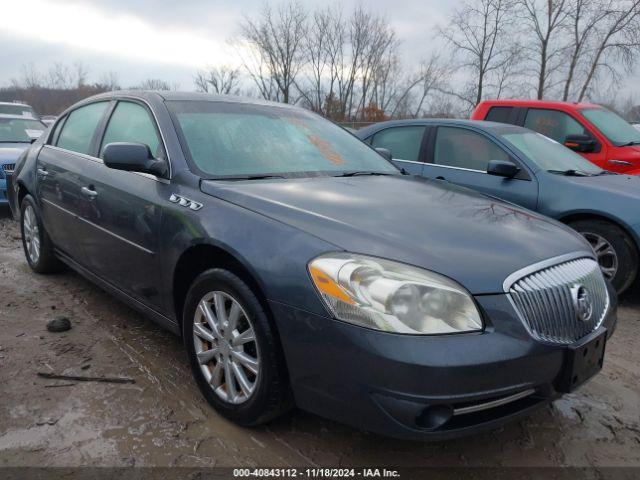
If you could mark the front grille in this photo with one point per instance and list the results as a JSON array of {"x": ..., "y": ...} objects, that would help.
[
  {"x": 9, "y": 167},
  {"x": 546, "y": 300}
]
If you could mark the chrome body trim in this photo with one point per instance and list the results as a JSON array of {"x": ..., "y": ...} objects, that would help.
[{"x": 493, "y": 403}]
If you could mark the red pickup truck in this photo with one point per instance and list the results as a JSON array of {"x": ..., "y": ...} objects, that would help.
[{"x": 596, "y": 133}]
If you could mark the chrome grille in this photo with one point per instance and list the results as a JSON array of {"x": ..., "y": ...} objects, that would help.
[
  {"x": 9, "y": 167},
  {"x": 546, "y": 300}
]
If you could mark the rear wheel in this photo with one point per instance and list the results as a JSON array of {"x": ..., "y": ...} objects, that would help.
[
  {"x": 615, "y": 250},
  {"x": 233, "y": 351},
  {"x": 38, "y": 248}
]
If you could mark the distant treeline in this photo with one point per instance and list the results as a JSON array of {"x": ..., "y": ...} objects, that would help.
[{"x": 49, "y": 101}]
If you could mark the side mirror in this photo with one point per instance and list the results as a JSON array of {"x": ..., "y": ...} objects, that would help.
[
  {"x": 502, "y": 168},
  {"x": 133, "y": 157},
  {"x": 580, "y": 143},
  {"x": 385, "y": 152}
]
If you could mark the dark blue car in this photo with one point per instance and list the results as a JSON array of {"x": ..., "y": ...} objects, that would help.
[
  {"x": 528, "y": 169},
  {"x": 16, "y": 134},
  {"x": 301, "y": 267}
]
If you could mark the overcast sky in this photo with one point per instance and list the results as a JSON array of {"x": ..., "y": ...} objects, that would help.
[
  {"x": 171, "y": 39},
  {"x": 139, "y": 39}
]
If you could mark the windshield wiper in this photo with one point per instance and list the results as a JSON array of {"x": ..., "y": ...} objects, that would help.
[
  {"x": 631, "y": 143},
  {"x": 362, "y": 172},
  {"x": 571, "y": 173},
  {"x": 248, "y": 177},
  {"x": 13, "y": 141}
]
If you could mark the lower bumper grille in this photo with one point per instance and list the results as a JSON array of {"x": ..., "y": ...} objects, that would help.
[{"x": 562, "y": 303}]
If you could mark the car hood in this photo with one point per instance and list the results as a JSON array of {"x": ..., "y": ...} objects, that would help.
[
  {"x": 473, "y": 239},
  {"x": 9, "y": 152},
  {"x": 610, "y": 185}
]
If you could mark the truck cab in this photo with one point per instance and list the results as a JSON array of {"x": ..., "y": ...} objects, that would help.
[{"x": 598, "y": 134}]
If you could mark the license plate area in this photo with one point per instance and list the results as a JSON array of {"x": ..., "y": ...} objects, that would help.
[{"x": 581, "y": 362}]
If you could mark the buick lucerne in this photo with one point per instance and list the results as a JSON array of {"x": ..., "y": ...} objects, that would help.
[{"x": 302, "y": 268}]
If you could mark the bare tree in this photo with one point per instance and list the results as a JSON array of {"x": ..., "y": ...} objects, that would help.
[
  {"x": 223, "y": 80},
  {"x": 317, "y": 56},
  {"x": 154, "y": 84},
  {"x": 584, "y": 17},
  {"x": 60, "y": 76},
  {"x": 479, "y": 33},
  {"x": 374, "y": 39},
  {"x": 619, "y": 38},
  {"x": 276, "y": 38},
  {"x": 428, "y": 81},
  {"x": 109, "y": 81},
  {"x": 547, "y": 20},
  {"x": 29, "y": 77}
]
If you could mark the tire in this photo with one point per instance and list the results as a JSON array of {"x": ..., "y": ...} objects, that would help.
[
  {"x": 270, "y": 395},
  {"x": 622, "y": 249},
  {"x": 37, "y": 246}
]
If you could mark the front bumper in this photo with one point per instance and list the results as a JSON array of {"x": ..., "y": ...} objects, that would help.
[{"x": 408, "y": 386}]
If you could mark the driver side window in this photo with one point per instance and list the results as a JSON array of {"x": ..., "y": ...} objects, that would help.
[
  {"x": 131, "y": 122},
  {"x": 462, "y": 148}
]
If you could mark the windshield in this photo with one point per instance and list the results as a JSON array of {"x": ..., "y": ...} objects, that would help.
[
  {"x": 237, "y": 140},
  {"x": 17, "y": 130},
  {"x": 548, "y": 154},
  {"x": 615, "y": 128}
]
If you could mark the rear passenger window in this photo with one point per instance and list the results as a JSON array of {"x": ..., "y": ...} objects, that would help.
[
  {"x": 404, "y": 142},
  {"x": 80, "y": 126},
  {"x": 499, "y": 114},
  {"x": 131, "y": 122},
  {"x": 462, "y": 148},
  {"x": 553, "y": 124}
]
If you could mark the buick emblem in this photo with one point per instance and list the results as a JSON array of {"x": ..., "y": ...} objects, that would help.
[{"x": 582, "y": 303}]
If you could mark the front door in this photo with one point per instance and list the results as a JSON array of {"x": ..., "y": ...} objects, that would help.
[
  {"x": 461, "y": 155},
  {"x": 405, "y": 144},
  {"x": 125, "y": 209},
  {"x": 558, "y": 125}
]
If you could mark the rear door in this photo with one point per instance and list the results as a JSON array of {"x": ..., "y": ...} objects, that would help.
[
  {"x": 124, "y": 218},
  {"x": 60, "y": 170},
  {"x": 405, "y": 143},
  {"x": 460, "y": 155}
]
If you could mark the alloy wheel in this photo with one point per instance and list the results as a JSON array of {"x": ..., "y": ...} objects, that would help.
[
  {"x": 31, "y": 233},
  {"x": 605, "y": 253},
  {"x": 226, "y": 347}
]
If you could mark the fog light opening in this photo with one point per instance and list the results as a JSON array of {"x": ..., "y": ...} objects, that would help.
[{"x": 434, "y": 416}]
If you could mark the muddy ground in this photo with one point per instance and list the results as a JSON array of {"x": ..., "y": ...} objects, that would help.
[{"x": 161, "y": 420}]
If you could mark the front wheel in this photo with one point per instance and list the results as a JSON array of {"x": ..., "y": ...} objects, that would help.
[
  {"x": 615, "y": 250},
  {"x": 233, "y": 350}
]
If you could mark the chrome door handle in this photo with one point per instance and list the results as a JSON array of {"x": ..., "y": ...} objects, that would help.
[
  {"x": 621, "y": 162},
  {"x": 87, "y": 192},
  {"x": 43, "y": 172}
]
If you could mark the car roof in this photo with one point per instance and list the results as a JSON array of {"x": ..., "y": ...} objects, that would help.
[
  {"x": 539, "y": 104},
  {"x": 493, "y": 127},
  {"x": 184, "y": 96},
  {"x": 18, "y": 117},
  {"x": 15, "y": 103}
]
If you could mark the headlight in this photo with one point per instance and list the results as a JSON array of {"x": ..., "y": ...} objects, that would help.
[{"x": 391, "y": 296}]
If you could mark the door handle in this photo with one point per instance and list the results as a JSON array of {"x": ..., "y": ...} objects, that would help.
[
  {"x": 622, "y": 163},
  {"x": 441, "y": 178},
  {"x": 87, "y": 192},
  {"x": 43, "y": 172}
]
